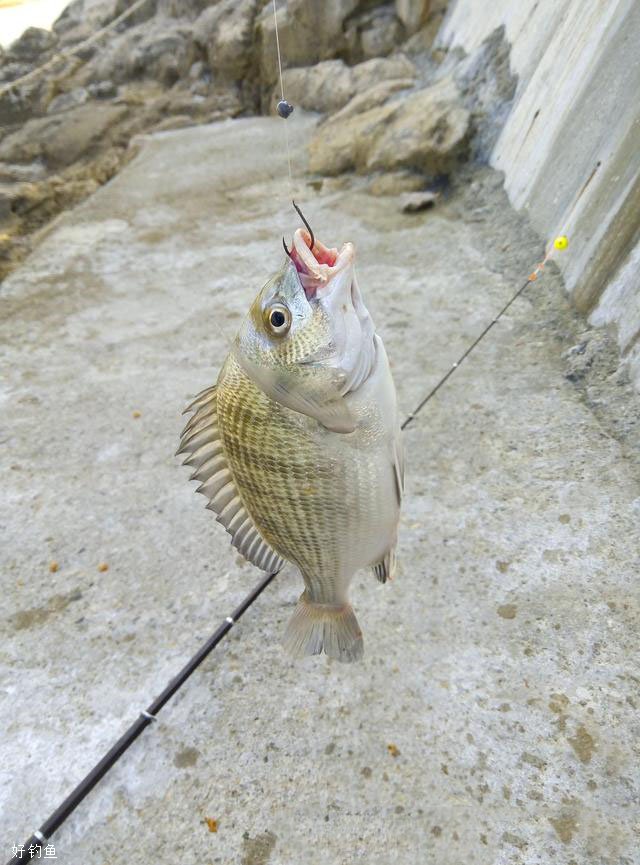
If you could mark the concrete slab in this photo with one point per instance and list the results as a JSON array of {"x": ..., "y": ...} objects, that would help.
[{"x": 494, "y": 718}]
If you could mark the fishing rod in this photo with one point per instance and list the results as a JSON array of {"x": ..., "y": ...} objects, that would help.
[{"x": 33, "y": 847}]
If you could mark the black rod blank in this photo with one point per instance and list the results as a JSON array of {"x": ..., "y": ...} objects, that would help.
[{"x": 38, "y": 839}]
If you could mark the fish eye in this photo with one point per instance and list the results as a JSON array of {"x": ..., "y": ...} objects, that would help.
[{"x": 278, "y": 319}]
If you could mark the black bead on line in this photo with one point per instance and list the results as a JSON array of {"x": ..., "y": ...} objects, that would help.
[
  {"x": 39, "y": 838},
  {"x": 284, "y": 108}
]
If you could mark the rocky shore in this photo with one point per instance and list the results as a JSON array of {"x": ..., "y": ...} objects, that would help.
[{"x": 73, "y": 100}]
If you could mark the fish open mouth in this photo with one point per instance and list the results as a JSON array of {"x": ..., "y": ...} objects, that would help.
[{"x": 319, "y": 264}]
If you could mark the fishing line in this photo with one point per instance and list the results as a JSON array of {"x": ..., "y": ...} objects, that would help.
[
  {"x": 284, "y": 109},
  {"x": 34, "y": 845}
]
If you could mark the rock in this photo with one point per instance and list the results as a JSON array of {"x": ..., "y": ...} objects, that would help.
[
  {"x": 197, "y": 70},
  {"x": 318, "y": 28},
  {"x": 372, "y": 34},
  {"x": 426, "y": 131},
  {"x": 114, "y": 60},
  {"x": 20, "y": 173},
  {"x": 488, "y": 88},
  {"x": 80, "y": 12},
  {"x": 31, "y": 46},
  {"x": 62, "y": 139},
  {"x": 23, "y": 100},
  {"x": 413, "y": 14},
  {"x": 330, "y": 85},
  {"x": 177, "y": 121},
  {"x": 308, "y": 32},
  {"x": 394, "y": 182},
  {"x": 77, "y": 96},
  {"x": 11, "y": 71},
  {"x": 429, "y": 132},
  {"x": 7, "y": 195},
  {"x": 382, "y": 69},
  {"x": 344, "y": 146},
  {"x": 325, "y": 87},
  {"x": 164, "y": 54},
  {"x": 225, "y": 31},
  {"x": 205, "y": 26},
  {"x": 161, "y": 50},
  {"x": 102, "y": 89},
  {"x": 414, "y": 202},
  {"x": 422, "y": 36},
  {"x": 182, "y": 8},
  {"x": 373, "y": 97},
  {"x": 91, "y": 15}
]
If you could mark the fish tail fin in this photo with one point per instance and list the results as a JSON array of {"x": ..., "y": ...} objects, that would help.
[{"x": 329, "y": 628}]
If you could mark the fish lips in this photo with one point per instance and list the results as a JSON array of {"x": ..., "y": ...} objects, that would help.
[{"x": 322, "y": 270}]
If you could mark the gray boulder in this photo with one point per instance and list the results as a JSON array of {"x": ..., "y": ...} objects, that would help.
[
  {"x": 225, "y": 32},
  {"x": 32, "y": 47},
  {"x": 426, "y": 131},
  {"x": 331, "y": 84},
  {"x": 65, "y": 101},
  {"x": 374, "y": 96},
  {"x": 374, "y": 33},
  {"x": 102, "y": 89},
  {"x": 161, "y": 50},
  {"x": 413, "y": 14},
  {"x": 309, "y": 33},
  {"x": 164, "y": 54},
  {"x": 61, "y": 139}
]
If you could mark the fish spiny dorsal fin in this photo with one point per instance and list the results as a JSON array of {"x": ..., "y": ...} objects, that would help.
[{"x": 201, "y": 442}]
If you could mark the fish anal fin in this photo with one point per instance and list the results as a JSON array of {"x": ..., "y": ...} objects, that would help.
[
  {"x": 398, "y": 467},
  {"x": 385, "y": 569}
]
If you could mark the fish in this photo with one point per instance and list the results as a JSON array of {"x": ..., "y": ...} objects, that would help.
[{"x": 298, "y": 448}]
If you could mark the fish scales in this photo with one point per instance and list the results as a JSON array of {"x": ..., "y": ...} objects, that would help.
[{"x": 307, "y": 505}]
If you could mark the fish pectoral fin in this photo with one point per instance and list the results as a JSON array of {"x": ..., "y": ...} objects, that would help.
[
  {"x": 200, "y": 441},
  {"x": 385, "y": 569},
  {"x": 326, "y": 405},
  {"x": 316, "y": 393}
]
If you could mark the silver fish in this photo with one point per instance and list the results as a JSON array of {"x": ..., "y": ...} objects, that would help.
[{"x": 297, "y": 447}]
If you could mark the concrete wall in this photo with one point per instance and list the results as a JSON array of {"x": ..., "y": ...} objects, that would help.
[{"x": 570, "y": 147}]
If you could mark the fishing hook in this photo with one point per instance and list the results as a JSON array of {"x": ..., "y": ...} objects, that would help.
[
  {"x": 285, "y": 247},
  {"x": 306, "y": 224}
]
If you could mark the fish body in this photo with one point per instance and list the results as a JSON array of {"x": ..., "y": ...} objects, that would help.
[{"x": 298, "y": 445}]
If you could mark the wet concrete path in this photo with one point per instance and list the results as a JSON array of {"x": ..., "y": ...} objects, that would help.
[{"x": 492, "y": 720}]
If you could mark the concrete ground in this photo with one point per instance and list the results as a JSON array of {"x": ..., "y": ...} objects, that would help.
[{"x": 494, "y": 717}]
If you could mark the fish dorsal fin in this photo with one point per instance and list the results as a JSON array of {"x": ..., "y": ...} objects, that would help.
[{"x": 201, "y": 442}]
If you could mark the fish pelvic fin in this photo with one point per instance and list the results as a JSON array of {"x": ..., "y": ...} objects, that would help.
[
  {"x": 329, "y": 628},
  {"x": 385, "y": 569}
]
